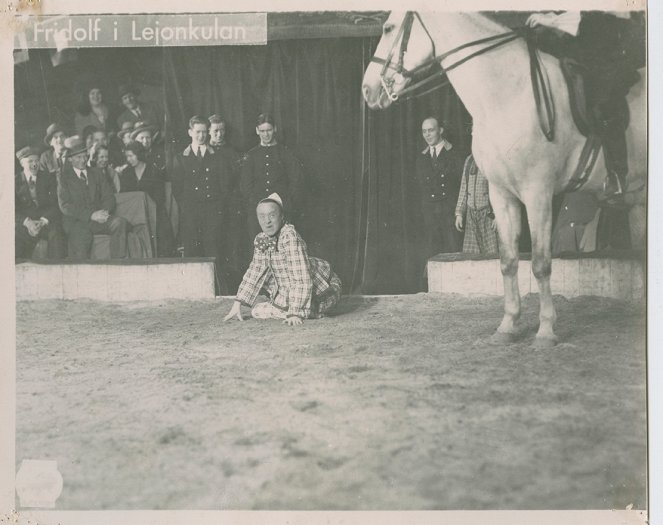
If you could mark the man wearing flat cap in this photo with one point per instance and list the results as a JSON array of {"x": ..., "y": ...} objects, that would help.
[
  {"x": 134, "y": 110},
  {"x": 87, "y": 202},
  {"x": 53, "y": 159},
  {"x": 36, "y": 208}
]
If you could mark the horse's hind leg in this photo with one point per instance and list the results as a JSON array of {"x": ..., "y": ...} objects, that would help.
[
  {"x": 507, "y": 214},
  {"x": 539, "y": 213}
]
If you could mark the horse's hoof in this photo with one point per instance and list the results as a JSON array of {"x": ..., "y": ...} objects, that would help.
[
  {"x": 541, "y": 342},
  {"x": 502, "y": 338}
]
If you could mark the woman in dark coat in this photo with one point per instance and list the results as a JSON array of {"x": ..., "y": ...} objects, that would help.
[{"x": 140, "y": 175}]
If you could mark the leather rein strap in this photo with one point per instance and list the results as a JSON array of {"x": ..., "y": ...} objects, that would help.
[{"x": 540, "y": 85}]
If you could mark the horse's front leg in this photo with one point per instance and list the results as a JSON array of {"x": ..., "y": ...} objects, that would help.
[
  {"x": 507, "y": 214},
  {"x": 539, "y": 214}
]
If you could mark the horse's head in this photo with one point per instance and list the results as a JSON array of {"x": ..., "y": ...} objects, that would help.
[{"x": 405, "y": 45}]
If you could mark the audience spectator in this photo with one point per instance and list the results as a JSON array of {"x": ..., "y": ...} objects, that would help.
[
  {"x": 135, "y": 110},
  {"x": 101, "y": 160},
  {"x": 125, "y": 133},
  {"x": 87, "y": 201},
  {"x": 141, "y": 175},
  {"x": 53, "y": 159},
  {"x": 474, "y": 214},
  {"x": 88, "y": 137},
  {"x": 36, "y": 211},
  {"x": 217, "y": 138},
  {"x": 267, "y": 168},
  {"x": 438, "y": 169},
  {"x": 201, "y": 178},
  {"x": 93, "y": 111},
  {"x": 236, "y": 252},
  {"x": 144, "y": 133}
]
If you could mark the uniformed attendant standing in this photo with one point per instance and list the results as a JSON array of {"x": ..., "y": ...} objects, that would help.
[
  {"x": 270, "y": 168},
  {"x": 236, "y": 249},
  {"x": 439, "y": 171},
  {"x": 201, "y": 179}
]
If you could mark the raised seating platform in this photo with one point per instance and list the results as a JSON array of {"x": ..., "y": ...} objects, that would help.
[
  {"x": 116, "y": 280},
  {"x": 619, "y": 275}
]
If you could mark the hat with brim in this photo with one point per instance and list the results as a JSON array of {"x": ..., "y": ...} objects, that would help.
[
  {"x": 128, "y": 88},
  {"x": 143, "y": 126},
  {"x": 50, "y": 131},
  {"x": 27, "y": 151},
  {"x": 127, "y": 127},
  {"x": 75, "y": 145}
]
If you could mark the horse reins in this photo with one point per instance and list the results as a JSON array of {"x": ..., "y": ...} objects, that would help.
[{"x": 542, "y": 97}]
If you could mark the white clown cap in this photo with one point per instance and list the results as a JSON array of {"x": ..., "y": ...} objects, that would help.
[{"x": 274, "y": 197}]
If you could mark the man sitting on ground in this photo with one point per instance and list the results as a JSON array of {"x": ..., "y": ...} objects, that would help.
[{"x": 300, "y": 287}]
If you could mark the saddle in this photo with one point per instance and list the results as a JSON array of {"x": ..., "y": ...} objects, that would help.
[
  {"x": 574, "y": 74},
  {"x": 587, "y": 121}
]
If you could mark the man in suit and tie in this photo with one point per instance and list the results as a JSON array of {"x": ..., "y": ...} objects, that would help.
[
  {"x": 53, "y": 159},
  {"x": 135, "y": 110},
  {"x": 87, "y": 201},
  {"x": 201, "y": 184},
  {"x": 36, "y": 208},
  {"x": 439, "y": 169}
]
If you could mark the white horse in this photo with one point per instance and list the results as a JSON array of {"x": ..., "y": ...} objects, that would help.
[{"x": 508, "y": 143}]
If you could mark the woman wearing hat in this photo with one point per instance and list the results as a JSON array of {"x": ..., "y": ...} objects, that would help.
[
  {"x": 53, "y": 159},
  {"x": 299, "y": 286},
  {"x": 141, "y": 175}
]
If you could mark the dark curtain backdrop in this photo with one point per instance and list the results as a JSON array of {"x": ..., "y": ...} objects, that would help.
[{"x": 362, "y": 211}]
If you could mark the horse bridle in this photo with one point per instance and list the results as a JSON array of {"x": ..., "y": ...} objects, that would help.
[{"x": 404, "y": 37}]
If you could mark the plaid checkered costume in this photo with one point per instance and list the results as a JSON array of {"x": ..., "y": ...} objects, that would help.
[
  {"x": 300, "y": 285},
  {"x": 474, "y": 204}
]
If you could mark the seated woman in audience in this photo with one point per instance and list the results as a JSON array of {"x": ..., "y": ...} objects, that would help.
[
  {"x": 101, "y": 160},
  {"x": 140, "y": 175},
  {"x": 93, "y": 111},
  {"x": 299, "y": 287}
]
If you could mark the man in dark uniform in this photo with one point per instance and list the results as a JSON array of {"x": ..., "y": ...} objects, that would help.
[
  {"x": 439, "y": 170},
  {"x": 201, "y": 183},
  {"x": 270, "y": 168},
  {"x": 87, "y": 202},
  {"x": 36, "y": 208},
  {"x": 235, "y": 247}
]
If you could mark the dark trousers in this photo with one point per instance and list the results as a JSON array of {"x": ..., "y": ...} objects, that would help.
[
  {"x": 80, "y": 235},
  {"x": 165, "y": 235},
  {"x": 202, "y": 235},
  {"x": 440, "y": 233},
  {"x": 25, "y": 243}
]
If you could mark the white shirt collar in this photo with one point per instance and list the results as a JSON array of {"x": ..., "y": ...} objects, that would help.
[{"x": 442, "y": 145}]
